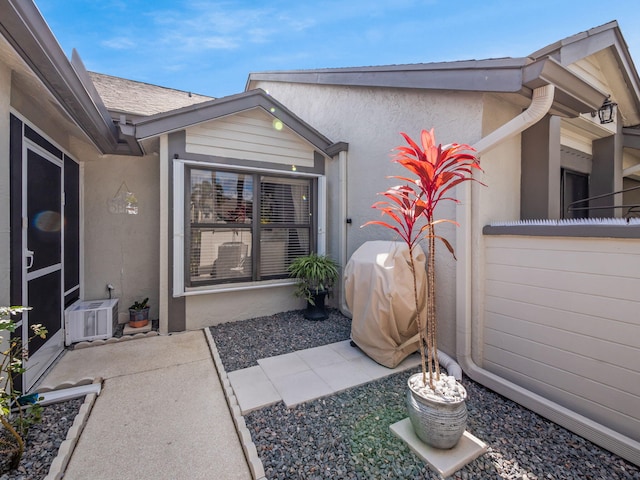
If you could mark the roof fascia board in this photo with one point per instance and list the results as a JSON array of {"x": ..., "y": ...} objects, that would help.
[
  {"x": 573, "y": 95},
  {"x": 94, "y": 96},
  {"x": 584, "y": 44},
  {"x": 203, "y": 112},
  {"x": 496, "y": 75},
  {"x": 24, "y": 28},
  {"x": 629, "y": 71},
  {"x": 554, "y": 49},
  {"x": 590, "y": 44},
  {"x": 631, "y": 138}
]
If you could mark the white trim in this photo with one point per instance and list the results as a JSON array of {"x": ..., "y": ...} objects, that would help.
[
  {"x": 38, "y": 363},
  {"x": 31, "y": 145},
  {"x": 179, "y": 289},
  {"x": 70, "y": 393},
  {"x": 247, "y": 169},
  {"x": 321, "y": 245},
  {"x": 77, "y": 287},
  {"x": 237, "y": 287},
  {"x": 81, "y": 220},
  {"x": 33, "y": 127},
  {"x": 54, "y": 344},
  {"x": 43, "y": 271}
]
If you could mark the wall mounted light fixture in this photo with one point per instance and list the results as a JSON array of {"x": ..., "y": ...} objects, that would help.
[{"x": 606, "y": 113}]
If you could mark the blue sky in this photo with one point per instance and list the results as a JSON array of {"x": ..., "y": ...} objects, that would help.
[{"x": 210, "y": 47}]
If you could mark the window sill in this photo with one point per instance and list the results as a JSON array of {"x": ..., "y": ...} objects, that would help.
[{"x": 235, "y": 287}]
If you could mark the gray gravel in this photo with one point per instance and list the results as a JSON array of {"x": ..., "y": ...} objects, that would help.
[
  {"x": 347, "y": 435},
  {"x": 241, "y": 344},
  {"x": 44, "y": 440}
]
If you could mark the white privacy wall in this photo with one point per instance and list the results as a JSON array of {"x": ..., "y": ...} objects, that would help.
[{"x": 562, "y": 318}]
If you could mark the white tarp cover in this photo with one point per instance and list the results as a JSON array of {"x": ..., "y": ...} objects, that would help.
[{"x": 379, "y": 293}]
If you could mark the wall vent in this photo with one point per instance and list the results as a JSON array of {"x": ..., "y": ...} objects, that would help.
[{"x": 90, "y": 320}]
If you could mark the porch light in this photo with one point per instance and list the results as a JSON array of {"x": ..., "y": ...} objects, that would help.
[{"x": 606, "y": 112}]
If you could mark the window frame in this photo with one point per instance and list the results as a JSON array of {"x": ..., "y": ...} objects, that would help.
[
  {"x": 182, "y": 284},
  {"x": 565, "y": 173}
]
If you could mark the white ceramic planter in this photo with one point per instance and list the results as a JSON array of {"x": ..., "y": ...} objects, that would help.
[{"x": 437, "y": 422}]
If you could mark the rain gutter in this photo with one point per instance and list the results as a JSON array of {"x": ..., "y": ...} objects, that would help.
[{"x": 541, "y": 104}]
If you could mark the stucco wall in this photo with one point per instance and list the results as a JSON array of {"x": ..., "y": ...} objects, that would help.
[
  {"x": 498, "y": 200},
  {"x": 122, "y": 249},
  {"x": 211, "y": 309},
  {"x": 370, "y": 120}
]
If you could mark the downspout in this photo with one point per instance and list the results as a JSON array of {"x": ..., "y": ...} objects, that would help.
[
  {"x": 344, "y": 224},
  {"x": 540, "y": 105}
]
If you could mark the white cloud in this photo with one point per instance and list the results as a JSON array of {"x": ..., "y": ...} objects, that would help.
[{"x": 119, "y": 43}]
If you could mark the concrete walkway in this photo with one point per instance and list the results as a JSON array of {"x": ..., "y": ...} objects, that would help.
[
  {"x": 305, "y": 375},
  {"x": 161, "y": 414}
]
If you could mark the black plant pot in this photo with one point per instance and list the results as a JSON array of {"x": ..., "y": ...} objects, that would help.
[{"x": 317, "y": 311}]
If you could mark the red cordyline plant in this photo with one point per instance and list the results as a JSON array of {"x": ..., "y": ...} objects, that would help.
[{"x": 438, "y": 169}]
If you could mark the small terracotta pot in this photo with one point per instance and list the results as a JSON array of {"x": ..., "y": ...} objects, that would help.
[{"x": 138, "y": 318}]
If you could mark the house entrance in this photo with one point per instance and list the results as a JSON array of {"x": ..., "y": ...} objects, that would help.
[{"x": 39, "y": 226}]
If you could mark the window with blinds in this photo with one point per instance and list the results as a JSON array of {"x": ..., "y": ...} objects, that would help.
[{"x": 245, "y": 227}]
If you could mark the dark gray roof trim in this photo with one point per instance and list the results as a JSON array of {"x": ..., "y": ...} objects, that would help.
[
  {"x": 573, "y": 48},
  {"x": 337, "y": 147},
  {"x": 127, "y": 144},
  {"x": 507, "y": 75},
  {"x": 631, "y": 138},
  {"x": 581, "y": 45},
  {"x": 27, "y": 32},
  {"x": 494, "y": 75},
  {"x": 202, "y": 112},
  {"x": 572, "y": 94},
  {"x": 594, "y": 231}
]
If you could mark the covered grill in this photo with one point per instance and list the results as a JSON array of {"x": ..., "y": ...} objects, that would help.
[{"x": 379, "y": 293}]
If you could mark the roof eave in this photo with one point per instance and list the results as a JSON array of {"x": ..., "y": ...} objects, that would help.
[
  {"x": 28, "y": 33},
  {"x": 573, "y": 95},
  {"x": 182, "y": 118},
  {"x": 592, "y": 41},
  {"x": 494, "y": 75}
]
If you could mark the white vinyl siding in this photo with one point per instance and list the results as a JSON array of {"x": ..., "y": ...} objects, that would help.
[
  {"x": 561, "y": 319},
  {"x": 250, "y": 135}
]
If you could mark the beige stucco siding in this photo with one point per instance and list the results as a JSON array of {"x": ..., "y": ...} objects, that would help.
[
  {"x": 122, "y": 249},
  {"x": 370, "y": 121},
  {"x": 212, "y": 309},
  {"x": 560, "y": 318},
  {"x": 250, "y": 135}
]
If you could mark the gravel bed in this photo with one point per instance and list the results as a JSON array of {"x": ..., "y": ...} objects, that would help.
[
  {"x": 347, "y": 435},
  {"x": 241, "y": 344},
  {"x": 44, "y": 440}
]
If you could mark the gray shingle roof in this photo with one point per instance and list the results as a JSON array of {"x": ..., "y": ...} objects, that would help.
[{"x": 139, "y": 98}]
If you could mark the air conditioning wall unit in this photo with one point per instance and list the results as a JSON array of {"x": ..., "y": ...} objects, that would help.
[{"x": 90, "y": 320}]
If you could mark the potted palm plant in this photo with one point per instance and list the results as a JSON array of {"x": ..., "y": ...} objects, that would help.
[
  {"x": 139, "y": 314},
  {"x": 316, "y": 275},
  {"x": 436, "y": 403}
]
